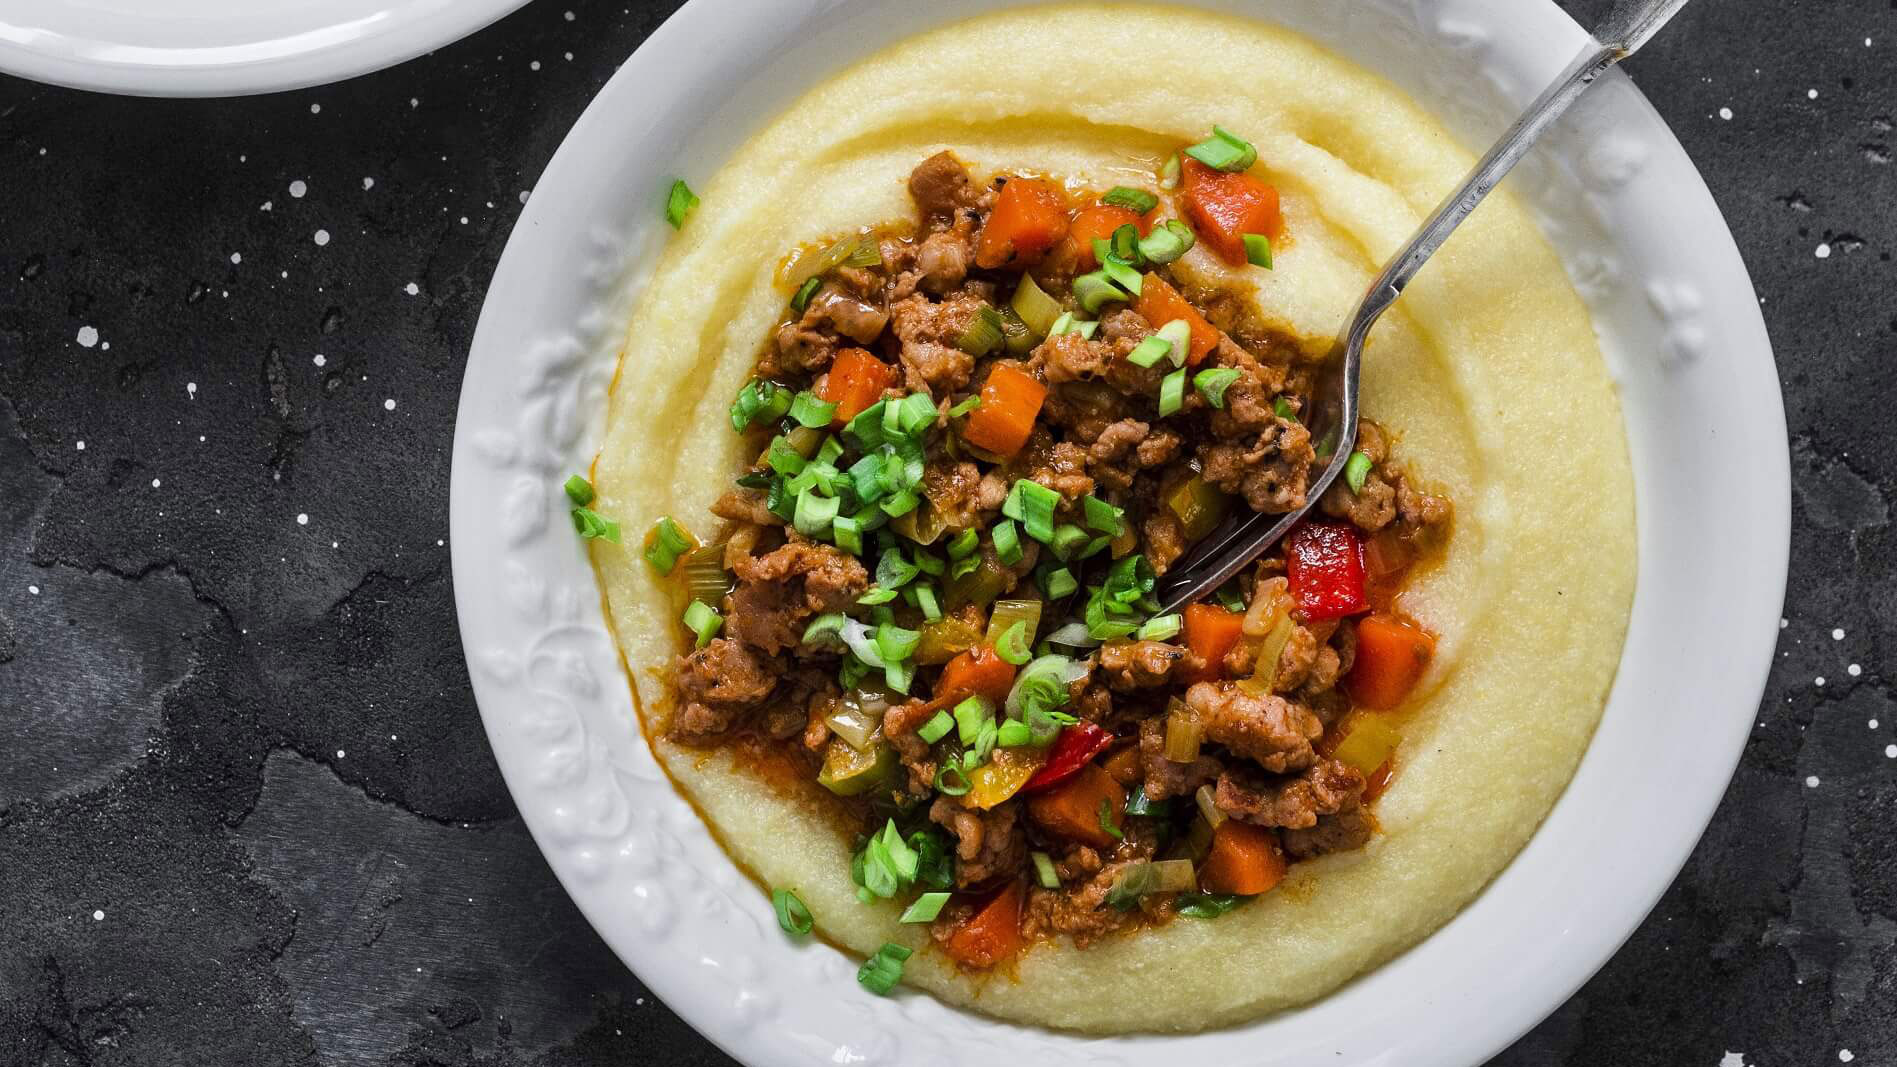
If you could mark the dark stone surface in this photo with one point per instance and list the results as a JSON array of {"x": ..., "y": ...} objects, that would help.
[{"x": 247, "y": 813}]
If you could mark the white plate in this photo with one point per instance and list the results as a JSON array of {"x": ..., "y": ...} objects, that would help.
[
  {"x": 225, "y": 47},
  {"x": 1676, "y": 313}
]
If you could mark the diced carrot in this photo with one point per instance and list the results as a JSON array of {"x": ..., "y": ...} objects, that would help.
[
  {"x": 1029, "y": 216},
  {"x": 1225, "y": 207},
  {"x": 979, "y": 671},
  {"x": 1391, "y": 657},
  {"x": 1244, "y": 860},
  {"x": 1100, "y": 221},
  {"x": 1211, "y": 632},
  {"x": 1072, "y": 809},
  {"x": 992, "y": 934},
  {"x": 1124, "y": 766},
  {"x": 1159, "y": 303},
  {"x": 1010, "y": 401},
  {"x": 856, "y": 380}
]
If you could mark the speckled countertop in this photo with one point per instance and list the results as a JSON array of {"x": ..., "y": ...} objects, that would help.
[{"x": 247, "y": 813}]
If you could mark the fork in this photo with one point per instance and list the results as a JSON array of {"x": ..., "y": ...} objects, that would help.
[{"x": 1331, "y": 414}]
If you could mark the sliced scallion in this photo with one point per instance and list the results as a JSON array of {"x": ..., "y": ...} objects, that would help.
[
  {"x": 1007, "y": 543},
  {"x": 1283, "y": 409},
  {"x": 1013, "y": 646},
  {"x": 1149, "y": 351},
  {"x": 925, "y": 908},
  {"x": 963, "y": 543},
  {"x": 1213, "y": 382},
  {"x": 703, "y": 621},
  {"x": 1138, "y": 201},
  {"x": 1067, "y": 541},
  {"x": 983, "y": 334},
  {"x": 800, "y": 299},
  {"x": 665, "y": 542},
  {"x": 1356, "y": 469},
  {"x": 1102, "y": 516},
  {"x": 1013, "y": 734},
  {"x": 1059, "y": 582},
  {"x": 951, "y": 779},
  {"x": 1122, "y": 274},
  {"x": 937, "y": 728},
  {"x": 880, "y": 973},
  {"x": 848, "y": 534},
  {"x": 1172, "y": 393},
  {"x": 1126, "y": 243},
  {"x": 1167, "y": 242},
  {"x": 1258, "y": 250},
  {"x": 792, "y": 916},
  {"x": 969, "y": 715},
  {"x": 1044, "y": 872},
  {"x": 814, "y": 513},
  {"x": 579, "y": 490},
  {"x": 810, "y": 410},
  {"x": 1033, "y": 505},
  {"x": 1160, "y": 628},
  {"x": 1096, "y": 290},
  {"x": 1037, "y": 309},
  {"x": 1178, "y": 336},
  {"x": 679, "y": 203},
  {"x": 963, "y": 407},
  {"x": 1169, "y": 173},
  {"x": 1224, "y": 150},
  {"x": 591, "y": 525}
]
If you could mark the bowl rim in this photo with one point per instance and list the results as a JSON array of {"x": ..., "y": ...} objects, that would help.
[
  {"x": 722, "y": 966},
  {"x": 299, "y": 57}
]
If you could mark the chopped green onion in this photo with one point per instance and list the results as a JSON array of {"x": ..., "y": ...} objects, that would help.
[
  {"x": 665, "y": 543},
  {"x": 1060, "y": 582},
  {"x": 1356, "y": 469},
  {"x": 1013, "y": 734},
  {"x": 703, "y": 620},
  {"x": 1172, "y": 393},
  {"x": 1212, "y": 384},
  {"x": 679, "y": 203},
  {"x": 963, "y": 543},
  {"x": 1167, "y": 242},
  {"x": 937, "y": 728},
  {"x": 1224, "y": 150},
  {"x": 592, "y": 525},
  {"x": 1122, "y": 274},
  {"x": 810, "y": 410},
  {"x": 1160, "y": 628},
  {"x": 984, "y": 742},
  {"x": 1096, "y": 290},
  {"x": 894, "y": 570},
  {"x": 1138, "y": 201},
  {"x": 1169, "y": 173},
  {"x": 1103, "y": 516},
  {"x": 1067, "y": 540},
  {"x": 925, "y": 600},
  {"x": 1106, "y": 818},
  {"x": 1062, "y": 324},
  {"x": 925, "y": 909},
  {"x": 800, "y": 299},
  {"x": 914, "y": 413},
  {"x": 964, "y": 567},
  {"x": 1037, "y": 309},
  {"x": 848, "y": 534},
  {"x": 969, "y": 715},
  {"x": 1033, "y": 504},
  {"x": 951, "y": 780},
  {"x": 1258, "y": 250},
  {"x": 876, "y": 595},
  {"x": 825, "y": 629},
  {"x": 1007, "y": 543},
  {"x": 1086, "y": 329},
  {"x": 928, "y": 563},
  {"x": 1013, "y": 646},
  {"x": 1149, "y": 351},
  {"x": 579, "y": 490},
  {"x": 760, "y": 401},
  {"x": 1178, "y": 335},
  {"x": 1044, "y": 872},
  {"x": 896, "y": 643},
  {"x": 983, "y": 334},
  {"x": 1126, "y": 243},
  {"x": 1206, "y": 905},
  {"x": 1138, "y": 804},
  {"x": 814, "y": 513},
  {"x": 1283, "y": 409},
  {"x": 964, "y": 407},
  {"x": 791, "y": 913},
  {"x": 784, "y": 457},
  {"x": 880, "y": 973},
  {"x": 1018, "y": 338},
  {"x": 898, "y": 675},
  {"x": 901, "y": 503},
  {"x": 865, "y": 431}
]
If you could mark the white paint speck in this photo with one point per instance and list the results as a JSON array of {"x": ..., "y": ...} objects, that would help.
[
  {"x": 389, "y": 404},
  {"x": 33, "y": 589},
  {"x": 340, "y": 753},
  {"x": 523, "y": 196},
  {"x": 1871, "y": 725},
  {"x": 1838, "y": 634},
  {"x": 1824, "y": 250},
  {"x": 1811, "y": 782},
  {"x": 316, "y": 109},
  {"x": 80, "y": 445},
  {"x": 1819, "y": 681},
  {"x": 155, "y": 483},
  {"x": 413, "y": 102},
  {"x": 412, "y": 289},
  {"x": 267, "y": 205},
  {"x": 88, "y": 337},
  {"x": 322, "y": 238},
  {"x": 236, "y": 258},
  {"x": 298, "y": 188},
  {"x": 569, "y": 18},
  {"x": 1783, "y": 623},
  {"x": 1890, "y": 751},
  {"x": 368, "y": 184},
  {"x": 535, "y": 65},
  {"x": 464, "y": 220},
  {"x": 302, "y": 519},
  {"x": 1725, "y": 113},
  {"x": 98, "y": 916},
  {"x": 191, "y": 390},
  {"x": 1844, "y": 1055},
  {"x": 1854, "y": 670}
]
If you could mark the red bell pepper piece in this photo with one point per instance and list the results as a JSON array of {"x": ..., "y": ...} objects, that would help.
[
  {"x": 1323, "y": 562},
  {"x": 1076, "y": 746}
]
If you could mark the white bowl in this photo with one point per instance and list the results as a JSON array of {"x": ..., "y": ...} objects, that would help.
[
  {"x": 225, "y": 47},
  {"x": 1676, "y": 314}
]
